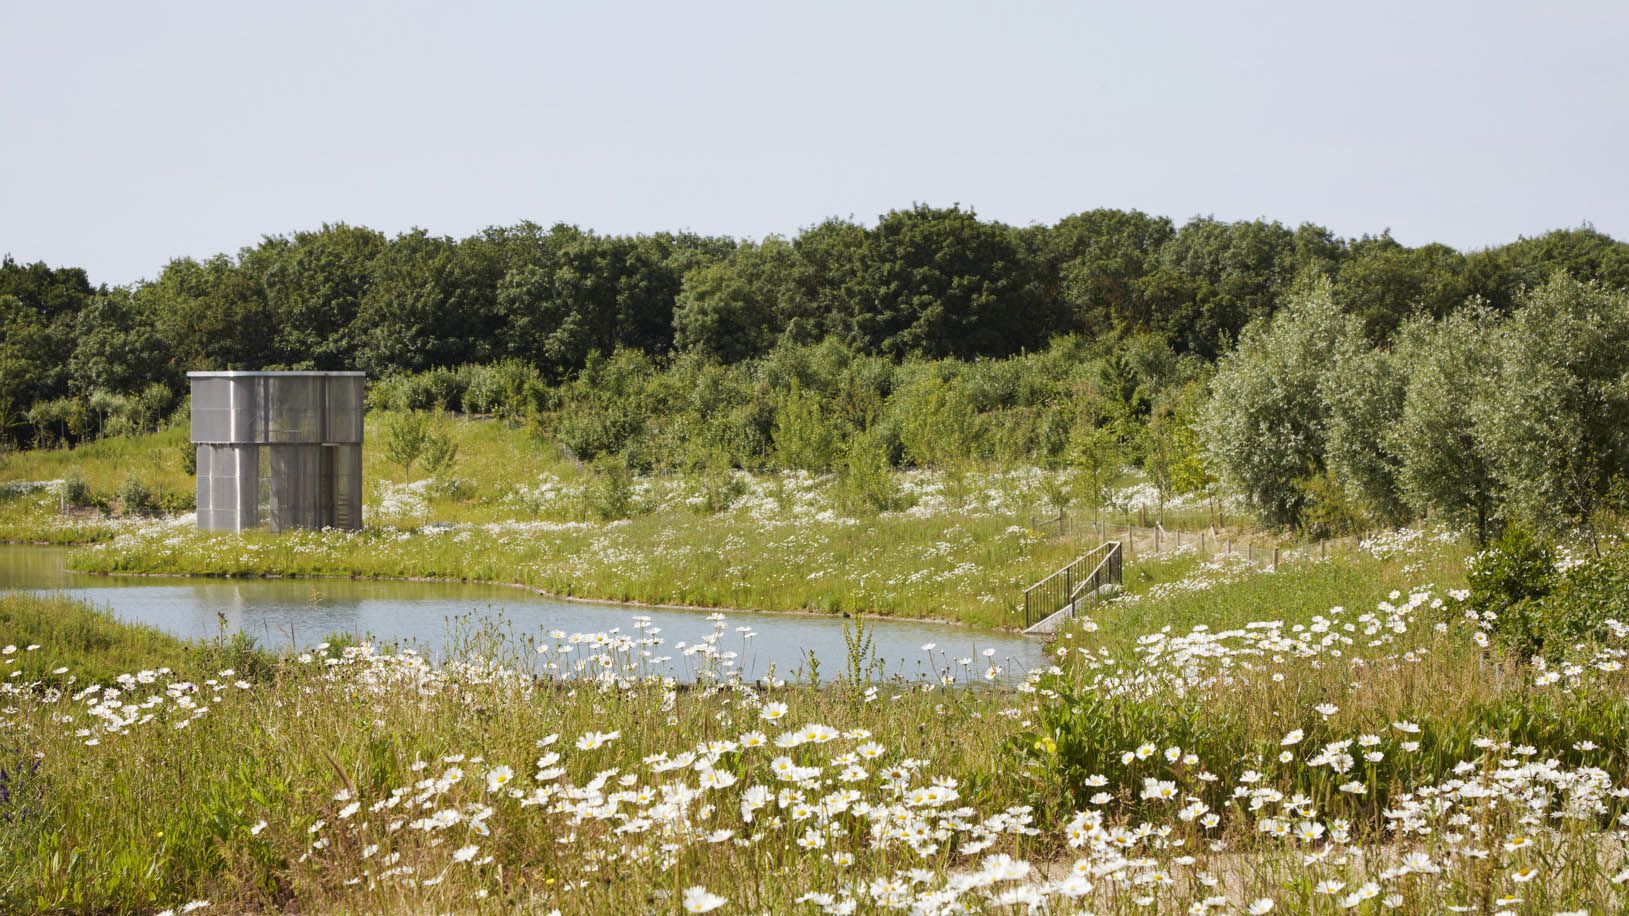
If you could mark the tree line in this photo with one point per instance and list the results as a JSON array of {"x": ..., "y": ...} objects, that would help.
[
  {"x": 1477, "y": 417},
  {"x": 78, "y": 359}
]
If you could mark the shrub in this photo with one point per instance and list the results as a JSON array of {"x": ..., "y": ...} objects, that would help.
[
  {"x": 76, "y": 492},
  {"x": 605, "y": 409},
  {"x": 1509, "y": 584},
  {"x": 499, "y": 389},
  {"x": 864, "y": 483},
  {"x": 611, "y": 496},
  {"x": 436, "y": 388},
  {"x": 1084, "y": 733},
  {"x": 1590, "y": 594},
  {"x": 939, "y": 424},
  {"x": 1328, "y": 509},
  {"x": 441, "y": 388},
  {"x": 136, "y": 498},
  {"x": 587, "y": 432},
  {"x": 804, "y": 438},
  {"x": 440, "y": 451},
  {"x": 713, "y": 485},
  {"x": 406, "y": 437}
]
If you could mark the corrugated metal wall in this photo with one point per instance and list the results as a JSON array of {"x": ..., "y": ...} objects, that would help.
[{"x": 280, "y": 449}]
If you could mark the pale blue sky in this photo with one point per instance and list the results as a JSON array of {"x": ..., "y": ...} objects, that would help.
[{"x": 134, "y": 132}]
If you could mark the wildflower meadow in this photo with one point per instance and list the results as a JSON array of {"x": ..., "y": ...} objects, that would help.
[{"x": 1385, "y": 753}]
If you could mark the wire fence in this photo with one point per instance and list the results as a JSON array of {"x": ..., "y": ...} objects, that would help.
[
  {"x": 1149, "y": 541},
  {"x": 1130, "y": 543}
]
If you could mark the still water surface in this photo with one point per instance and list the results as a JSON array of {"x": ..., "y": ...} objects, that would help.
[{"x": 299, "y": 613}]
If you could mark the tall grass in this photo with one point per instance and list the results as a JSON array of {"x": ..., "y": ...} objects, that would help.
[
  {"x": 1331, "y": 751},
  {"x": 972, "y": 570}
]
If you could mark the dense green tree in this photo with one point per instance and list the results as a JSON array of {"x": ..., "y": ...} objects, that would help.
[
  {"x": 1555, "y": 421},
  {"x": 1242, "y": 269},
  {"x": 923, "y": 281},
  {"x": 943, "y": 283},
  {"x": 118, "y": 348},
  {"x": 39, "y": 309},
  {"x": 314, "y": 288},
  {"x": 1266, "y": 424},
  {"x": 213, "y": 314},
  {"x": 736, "y": 308},
  {"x": 1441, "y": 468},
  {"x": 832, "y": 256},
  {"x": 1385, "y": 283},
  {"x": 1103, "y": 258},
  {"x": 409, "y": 316},
  {"x": 30, "y": 369},
  {"x": 591, "y": 293},
  {"x": 52, "y": 292},
  {"x": 1499, "y": 275}
]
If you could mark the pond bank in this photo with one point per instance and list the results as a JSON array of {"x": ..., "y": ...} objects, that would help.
[{"x": 296, "y": 612}]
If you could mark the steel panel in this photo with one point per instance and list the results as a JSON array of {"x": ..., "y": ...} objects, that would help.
[
  {"x": 347, "y": 487},
  {"x": 289, "y": 416}
]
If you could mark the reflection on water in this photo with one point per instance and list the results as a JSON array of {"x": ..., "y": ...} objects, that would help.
[{"x": 298, "y": 613}]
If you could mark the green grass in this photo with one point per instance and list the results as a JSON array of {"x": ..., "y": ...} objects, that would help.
[
  {"x": 79, "y": 644},
  {"x": 152, "y": 815},
  {"x": 34, "y": 518},
  {"x": 158, "y": 459},
  {"x": 972, "y": 570},
  {"x": 526, "y": 515},
  {"x": 1221, "y": 592},
  {"x": 71, "y": 635}
]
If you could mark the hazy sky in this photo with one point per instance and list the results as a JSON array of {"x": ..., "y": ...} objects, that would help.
[{"x": 131, "y": 133}]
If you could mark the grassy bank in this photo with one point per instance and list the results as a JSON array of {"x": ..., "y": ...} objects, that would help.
[
  {"x": 1221, "y": 591},
  {"x": 957, "y": 545},
  {"x": 970, "y": 571},
  {"x": 56, "y": 642},
  {"x": 1312, "y": 745}
]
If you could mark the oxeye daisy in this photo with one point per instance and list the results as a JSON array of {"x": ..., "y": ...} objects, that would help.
[
  {"x": 698, "y": 899},
  {"x": 498, "y": 777}
]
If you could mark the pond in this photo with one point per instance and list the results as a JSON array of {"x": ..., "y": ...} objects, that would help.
[{"x": 432, "y": 616}]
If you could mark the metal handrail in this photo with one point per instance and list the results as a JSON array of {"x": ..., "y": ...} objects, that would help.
[{"x": 1065, "y": 587}]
